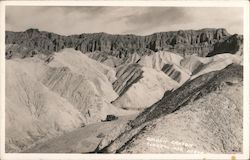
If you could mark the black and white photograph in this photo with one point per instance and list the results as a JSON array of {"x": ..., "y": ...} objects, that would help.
[{"x": 125, "y": 79}]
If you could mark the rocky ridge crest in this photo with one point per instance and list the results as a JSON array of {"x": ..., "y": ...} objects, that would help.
[{"x": 201, "y": 42}]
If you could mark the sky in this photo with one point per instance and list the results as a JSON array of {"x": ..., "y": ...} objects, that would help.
[{"x": 122, "y": 20}]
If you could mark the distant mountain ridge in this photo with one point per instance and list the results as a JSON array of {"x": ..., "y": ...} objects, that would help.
[{"x": 203, "y": 42}]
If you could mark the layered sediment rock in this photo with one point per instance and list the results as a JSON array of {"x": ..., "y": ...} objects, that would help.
[
  {"x": 187, "y": 42},
  {"x": 46, "y": 99},
  {"x": 216, "y": 94},
  {"x": 139, "y": 87}
]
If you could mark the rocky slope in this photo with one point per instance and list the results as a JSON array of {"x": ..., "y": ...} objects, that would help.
[
  {"x": 81, "y": 140},
  {"x": 45, "y": 99},
  {"x": 169, "y": 63},
  {"x": 139, "y": 87},
  {"x": 33, "y": 112},
  {"x": 212, "y": 124},
  {"x": 141, "y": 82},
  {"x": 202, "y": 116},
  {"x": 213, "y": 97},
  {"x": 184, "y": 42}
]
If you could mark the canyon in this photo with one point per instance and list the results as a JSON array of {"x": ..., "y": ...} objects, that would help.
[{"x": 183, "y": 86}]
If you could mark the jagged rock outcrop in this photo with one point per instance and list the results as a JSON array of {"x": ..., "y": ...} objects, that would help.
[
  {"x": 184, "y": 42},
  {"x": 232, "y": 43},
  {"x": 221, "y": 84}
]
